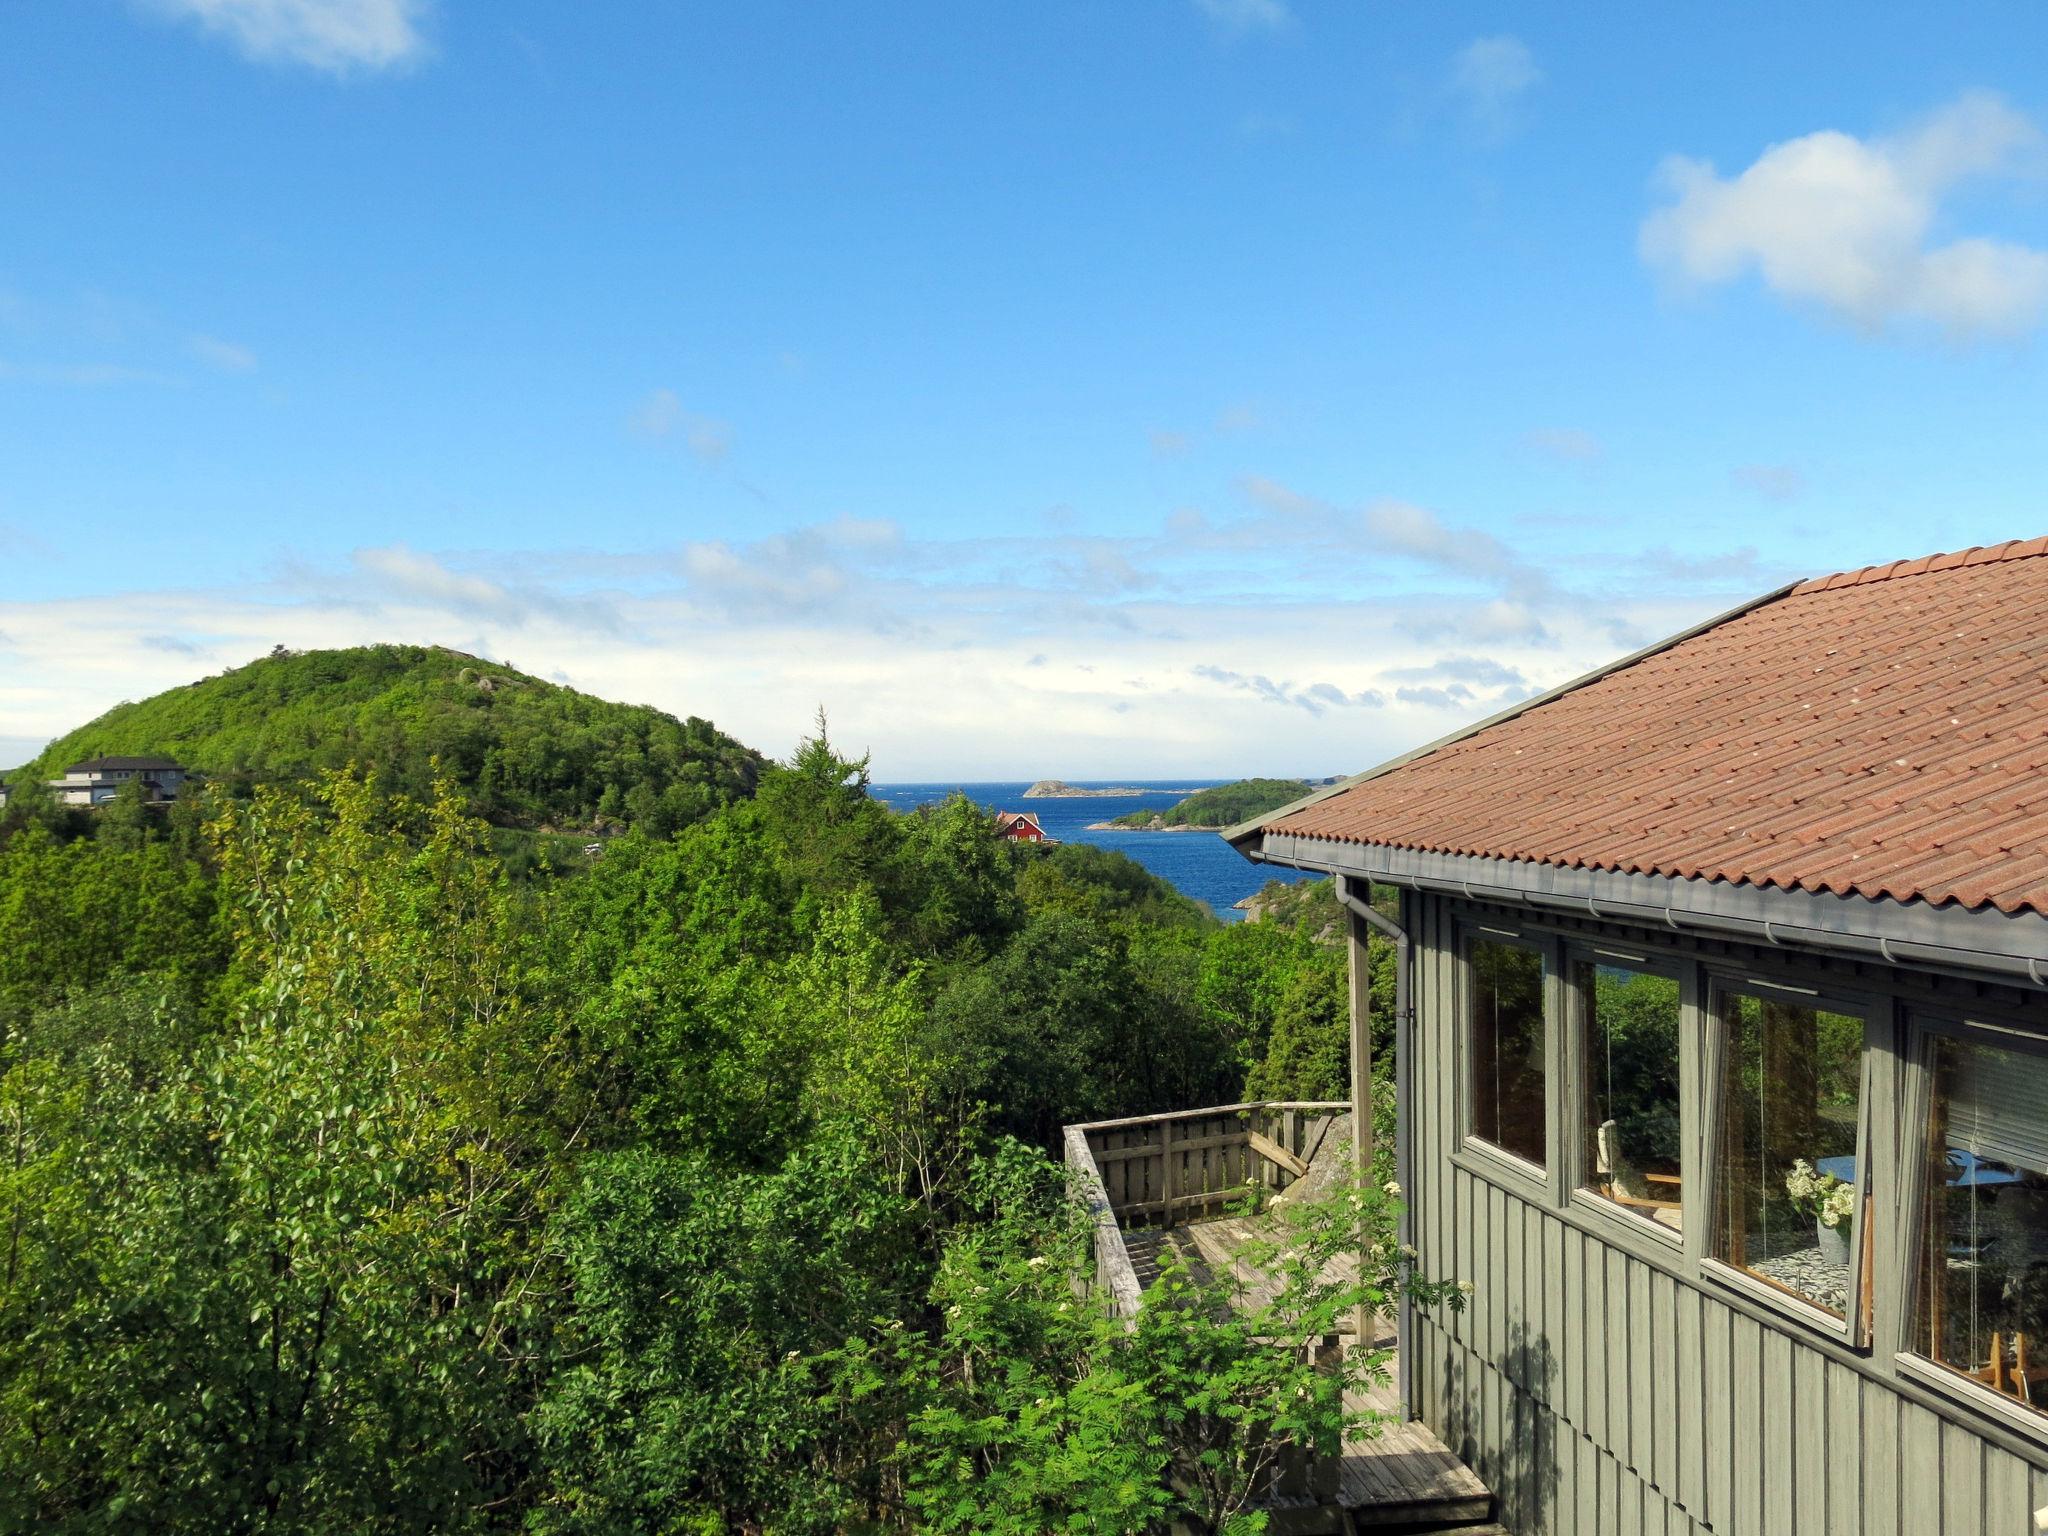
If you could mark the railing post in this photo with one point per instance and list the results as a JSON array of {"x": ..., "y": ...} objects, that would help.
[{"x": 1169, "y": 1174}]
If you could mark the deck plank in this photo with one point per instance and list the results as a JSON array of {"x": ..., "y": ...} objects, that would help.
[{"x": 1404, "y": 1474}]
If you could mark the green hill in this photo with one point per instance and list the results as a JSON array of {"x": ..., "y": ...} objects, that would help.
[
  {"x": 529, "y": 753},
  {"x": 1224, "y": 806}
]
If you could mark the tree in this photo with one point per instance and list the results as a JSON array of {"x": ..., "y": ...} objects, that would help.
[
  {"x": 292, "y": 1277},
  {"x": 832, "y": 836}
]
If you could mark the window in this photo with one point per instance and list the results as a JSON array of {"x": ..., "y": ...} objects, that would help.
[
  {"x": 1507, "y": 1039},
  {"x": 1632, "y": 1148},
  {"x": 1787, "y": 1192},
  {"x": 1982, "y": 1307}
]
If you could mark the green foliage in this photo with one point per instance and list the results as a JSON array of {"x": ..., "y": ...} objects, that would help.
[
  {"x": 695, "y": 1397},
  {"x": 1285, "y": 982},
  {"x": 1224, "y": 806},
  {"x": 73, "y": 915},
  {"x": 1073, "y": 1021},
  {"x": 1311, "y": 905},
  {"x": 1036, "y": 1412},
  {"x": 347, "y": 1182},
  {"x": 289, "y": 1278},
  {"x": 1102, "y": 886},
  {"x": 524, "y": 751}
]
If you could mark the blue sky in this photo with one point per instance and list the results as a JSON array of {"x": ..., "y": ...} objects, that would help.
[{"x": 1171, "y": 387}]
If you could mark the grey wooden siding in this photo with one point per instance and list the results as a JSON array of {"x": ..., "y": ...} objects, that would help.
[{"x": 1600, "y": 1387}]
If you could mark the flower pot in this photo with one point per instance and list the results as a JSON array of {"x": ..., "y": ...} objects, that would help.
[{"x": 1834, "y": 1243}]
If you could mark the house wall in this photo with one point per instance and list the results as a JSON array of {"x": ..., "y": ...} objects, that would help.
[{"x": 1602, "y": 1381}]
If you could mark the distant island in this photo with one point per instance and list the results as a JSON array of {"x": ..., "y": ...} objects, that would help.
[
  {"x": 1060, "y": 789},
  {"x": 1210, "y": 810}
]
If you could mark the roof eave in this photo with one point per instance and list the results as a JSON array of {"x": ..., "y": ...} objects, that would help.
[{"x": 1905, "y": 933}]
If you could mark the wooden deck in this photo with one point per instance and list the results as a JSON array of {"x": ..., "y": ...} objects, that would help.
[{"x": 1403, "y": 1479}]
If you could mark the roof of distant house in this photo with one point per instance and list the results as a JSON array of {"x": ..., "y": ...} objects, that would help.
[
  {"x": 1880, "y": 733},
  {"x": 126, "y": 764}
]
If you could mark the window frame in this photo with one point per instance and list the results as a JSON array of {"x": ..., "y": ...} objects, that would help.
[
  {"x": 1577, "y": 1170},
  {"x": 1848, "y": 1330},
  {"x": 1923, "y": 1028},
  {"x": 1536, "y": 1181}
]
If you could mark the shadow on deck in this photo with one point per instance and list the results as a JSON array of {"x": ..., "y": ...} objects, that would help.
[{"x": 1160, "y": 1183}]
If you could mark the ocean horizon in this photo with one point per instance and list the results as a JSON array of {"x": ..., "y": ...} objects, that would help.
[{"x": 1197, "y": 864}]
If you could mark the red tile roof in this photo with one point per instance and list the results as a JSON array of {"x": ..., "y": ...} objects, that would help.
[{"x": 1882, "y": 733}]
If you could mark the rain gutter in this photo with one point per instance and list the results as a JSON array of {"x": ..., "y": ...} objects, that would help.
[{"x": 2012, "y": 945}]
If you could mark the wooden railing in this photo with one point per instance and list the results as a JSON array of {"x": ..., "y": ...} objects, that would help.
[{"x": 1163, "y": 1169}]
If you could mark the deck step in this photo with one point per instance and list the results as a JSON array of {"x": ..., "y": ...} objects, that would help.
[{"x": 1400, "y": 1480}]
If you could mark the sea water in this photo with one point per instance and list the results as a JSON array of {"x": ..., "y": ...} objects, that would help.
[{"x": 1197, "y": 864}]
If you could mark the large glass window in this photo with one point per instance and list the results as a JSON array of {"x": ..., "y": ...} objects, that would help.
[
  {"x": 1983, "y": 1260},
  {"x": 1787, "y": 1185},
  {"x": 1629, "y": 1115},
  {"x": 1506, "y": 1037}
]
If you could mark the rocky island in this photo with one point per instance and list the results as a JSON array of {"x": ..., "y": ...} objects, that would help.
[{"x": 1060, "y": 789}]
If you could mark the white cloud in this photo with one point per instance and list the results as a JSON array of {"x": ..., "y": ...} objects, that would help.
[
  {"x": 1848, "y": 224},
  {"x": 1306, "y": 529},
  {"x": 227, "y": 356},
  {"x": 1315, "y": 698},
  {"x": 1484, "y": 671},
  {"x": 334, "y": 35},
  {"x": 1300, "y": 633},
  {"x": 1491, "y": 77},
  {"x": 662, "y": 415},
  {"x": 398, "y": 574},
  {"x": 1247, "y": 15}
]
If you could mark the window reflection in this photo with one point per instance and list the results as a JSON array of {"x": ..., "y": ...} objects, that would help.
[
  {"x": 1506, "y": 1034},
  {"x": 1630, "y": 1125},
  {"x": 1791, "y": 1090},
  {"x": 1983, "y": 1293}
]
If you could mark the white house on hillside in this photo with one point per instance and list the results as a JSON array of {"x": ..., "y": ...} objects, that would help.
[{"x": 97, "y": 780}]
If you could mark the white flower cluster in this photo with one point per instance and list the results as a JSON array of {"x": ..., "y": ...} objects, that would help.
[{"x": 1821, "y": 1195}]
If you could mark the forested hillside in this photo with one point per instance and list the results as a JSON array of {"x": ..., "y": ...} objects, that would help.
[
  {"x": 349, "y": 1184},
  {"x": 525, "y": 752},
  {"x": 1224, "y": 806}
]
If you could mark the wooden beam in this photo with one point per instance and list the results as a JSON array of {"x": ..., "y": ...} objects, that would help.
[
  {"x": 1273, "y": 1152},
  {"x": 1114, "y": 1272},
  {"x": 1151, "y": 1148},
  {"x": 1361, "y": 1044},
  {"x": 1214, "y": 1109},
  {"x": 1361, "y": 1065}
]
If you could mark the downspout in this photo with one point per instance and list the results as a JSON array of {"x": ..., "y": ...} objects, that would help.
[{"x": 1404, "y": 1031}]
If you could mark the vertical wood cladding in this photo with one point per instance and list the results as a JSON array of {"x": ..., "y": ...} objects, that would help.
[{"x": 1604, "y": 1385}]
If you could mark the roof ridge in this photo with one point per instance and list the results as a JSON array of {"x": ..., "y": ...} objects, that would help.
[{"x": 1978, "y": 554}]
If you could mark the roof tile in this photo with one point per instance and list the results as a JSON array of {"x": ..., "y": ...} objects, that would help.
[{"x": 1881, "y": 732}]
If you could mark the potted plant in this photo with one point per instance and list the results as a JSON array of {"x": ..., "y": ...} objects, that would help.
[{"x": 1830, "y": 1201}]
